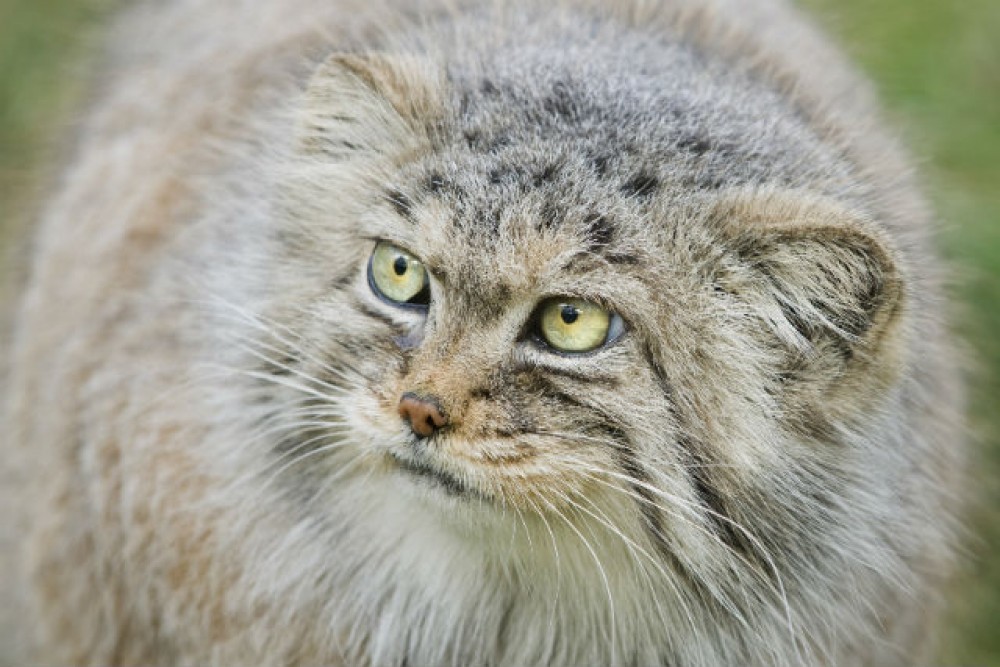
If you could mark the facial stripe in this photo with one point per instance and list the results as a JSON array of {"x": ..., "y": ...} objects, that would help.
[
  {"x": 402, "y": 204},
  {"x": 375, "y": 314}
]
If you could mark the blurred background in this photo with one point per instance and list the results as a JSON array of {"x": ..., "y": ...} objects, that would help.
[{"x": 936, "y": 64}]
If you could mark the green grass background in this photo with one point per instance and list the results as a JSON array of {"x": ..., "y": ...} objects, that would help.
[{"x": 937, "y": 65}]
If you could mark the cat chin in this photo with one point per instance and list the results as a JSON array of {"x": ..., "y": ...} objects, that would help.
[
  {"x": 478, "y": 567},
  {"x": 462, "y": 511}
]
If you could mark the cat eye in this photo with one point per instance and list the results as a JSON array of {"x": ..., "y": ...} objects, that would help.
[
  {"x": 398, "y": 277},
  {"x": 575, "y": 325}
]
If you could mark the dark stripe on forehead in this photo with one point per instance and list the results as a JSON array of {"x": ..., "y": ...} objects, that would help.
[
  {"x": 600, "y": 231},
  {"x": 620, "y": 258},
  {"x": 600, "y": 164},
  {"x": 562, "y": 102},
  {"x": 694, "y": 144}
]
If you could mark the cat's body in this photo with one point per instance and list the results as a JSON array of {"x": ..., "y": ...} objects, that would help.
[{"x": 759, "y": 468}]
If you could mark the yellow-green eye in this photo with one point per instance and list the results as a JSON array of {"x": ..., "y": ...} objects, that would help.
[
  {"x": 575, "y": 325},
  {"x": 398, "y": 276}
]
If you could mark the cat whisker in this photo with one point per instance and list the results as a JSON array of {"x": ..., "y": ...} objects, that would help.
[
  {"x": 635, "y": 550},
  {"x": 777, "y": 585},
  {"x": 289, "y": 384},
  {"x": 600, "y": 568},
  {"x": 257, "y": 473},
  {"x": 722, "y": 599},
  {"x": 314, "y": 452},
  {"x": 562, "y": 435},
  {"x": 558, "y": 562},
  {"x": 673, "y": 499},
  {"x": 269, "y": 327},
  {"x": 285, "y": 367},
  {"x": 246, "y": 343},
  {"x": 346, "y": 468}
]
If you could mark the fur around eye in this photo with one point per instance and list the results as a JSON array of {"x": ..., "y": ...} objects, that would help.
[
  {"x": 398, "y": 277},
  {"x": 576, "y": 326}
]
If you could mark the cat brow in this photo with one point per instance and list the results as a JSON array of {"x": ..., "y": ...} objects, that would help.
[{"x": 583, "y": 261}]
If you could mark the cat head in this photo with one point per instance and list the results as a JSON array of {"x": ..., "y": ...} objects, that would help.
[{"x": 659, "y": 315}]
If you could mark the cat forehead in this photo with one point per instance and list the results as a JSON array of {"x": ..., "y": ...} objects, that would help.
[
  {"x": 630, "y": 125},
  {"x": 493, "y": 254},
  {"x": 525, "y": 212},
  {"x": 556, "y": 159}
]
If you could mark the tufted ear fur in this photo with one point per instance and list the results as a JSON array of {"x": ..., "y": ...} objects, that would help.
[
  {"x": 367, "y": 105},
  {"x": 823, "y": 278}
]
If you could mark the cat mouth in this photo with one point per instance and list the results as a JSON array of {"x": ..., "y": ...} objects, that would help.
[{"x": 451, "y": 484}]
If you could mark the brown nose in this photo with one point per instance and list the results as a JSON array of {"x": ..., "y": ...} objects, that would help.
[{"x": 423, "y": 413}]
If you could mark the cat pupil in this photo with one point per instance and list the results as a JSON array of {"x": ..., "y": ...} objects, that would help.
[
  {"x": 399, "y": 266},
  {"x": 569, "y": 314}
]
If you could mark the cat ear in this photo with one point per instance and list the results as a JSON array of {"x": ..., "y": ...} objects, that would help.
[
  {"x": 822, "y": 276},
  {"x": 367, "y": 105}
]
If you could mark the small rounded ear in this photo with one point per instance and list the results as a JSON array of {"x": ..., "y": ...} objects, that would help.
[
  {"x": 822, "y": 276},
  {"x": 364, "y": 105}
]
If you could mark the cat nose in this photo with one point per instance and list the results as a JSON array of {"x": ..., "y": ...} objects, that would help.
[{"x": 423, "y": 413}]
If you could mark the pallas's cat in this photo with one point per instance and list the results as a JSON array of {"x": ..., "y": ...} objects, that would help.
[{"x": 446, "y": 333}]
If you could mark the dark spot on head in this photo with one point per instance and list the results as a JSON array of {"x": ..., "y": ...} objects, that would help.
[
  {"x": 492, "y": 221},
  {"x": 550, "y": 216},
  {"x": 498, "y": 141},
  {"x": 488, "y": 87},
  {"x": 500, "y": 294},
  {"x": 546, "y": 175},
  {"x": 435, "y": 183},
  {"x": 560, "y": 103},
  {"x": 600, "y": 164},
  {"x": 704, "y": 181},
  {"x": 501, "y": 175},
  {"x": 642, "y": 185}
]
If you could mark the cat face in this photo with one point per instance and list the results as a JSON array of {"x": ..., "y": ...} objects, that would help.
[{"x": 450, "y": 246}]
